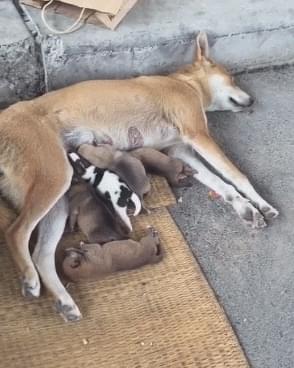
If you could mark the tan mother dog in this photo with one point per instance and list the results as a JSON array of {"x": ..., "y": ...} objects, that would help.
[{"x": 157, "y": 111}]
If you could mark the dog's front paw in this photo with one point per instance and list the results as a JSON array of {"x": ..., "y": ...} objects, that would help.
[
  {"x": 253, "y": 218},
  {"x": 247, "y": 212},
  {"x": 269, "y": 212},
  {"x": 69, "y": 312},
  {"x": 31, "y": 287}
]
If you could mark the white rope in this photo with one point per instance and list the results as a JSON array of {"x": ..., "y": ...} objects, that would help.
[
  {"x": 74, "y": 27},
  {"x": 35, "y": 31}
]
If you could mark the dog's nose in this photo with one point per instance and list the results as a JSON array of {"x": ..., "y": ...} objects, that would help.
[{"x": 250, "y": 101}]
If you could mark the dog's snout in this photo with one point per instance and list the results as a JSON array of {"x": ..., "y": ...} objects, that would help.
[{"x": 250, "y": 101}]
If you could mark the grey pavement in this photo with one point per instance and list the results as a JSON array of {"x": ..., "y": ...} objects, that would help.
[
  {"x": 157, "y": 36},
  {"x": 252, "y": 272}
]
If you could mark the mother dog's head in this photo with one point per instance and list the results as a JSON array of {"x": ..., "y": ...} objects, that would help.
[{"x": 217, "y": 86}]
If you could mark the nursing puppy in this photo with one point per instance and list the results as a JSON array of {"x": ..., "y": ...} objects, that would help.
[
  {"x": 127, "y": 167},
  {"x": 177, "y": 173},
  {"x": 92, "y": 216},
  {"x": 91, "y": 261},
  {"x": 110, "y": 187}
]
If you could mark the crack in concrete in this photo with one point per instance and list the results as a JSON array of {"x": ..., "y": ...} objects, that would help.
[{"x": 281, "y": 28}]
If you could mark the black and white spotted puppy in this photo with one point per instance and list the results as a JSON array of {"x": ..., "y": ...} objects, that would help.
[{"x": 119, "y": 197}]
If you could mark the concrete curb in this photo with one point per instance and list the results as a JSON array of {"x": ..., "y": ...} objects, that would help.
[
  {"x": 20, "y": 70},
  {"x": 65, "y": 66},
  {"x": 148, "y": 42}
]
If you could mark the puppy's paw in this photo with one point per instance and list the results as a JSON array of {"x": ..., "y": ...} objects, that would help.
[
  {"x": 188, "y": 171},
  {"x": 183, "y": 175},
  {"x": 151, "y": 231},
  {"x": 145, "y": 210},
  {"x": 157, "y": 252},
  {"x": 184, "y": 181}
]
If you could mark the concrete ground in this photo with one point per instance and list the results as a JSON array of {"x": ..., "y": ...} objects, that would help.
[{"x": 252, "y": 272}]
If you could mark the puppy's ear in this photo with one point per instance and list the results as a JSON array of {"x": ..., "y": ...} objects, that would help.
[{"x": 202, "y": 47}]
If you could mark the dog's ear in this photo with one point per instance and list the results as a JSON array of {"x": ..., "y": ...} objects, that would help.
[{"x": 202, "y": 47}]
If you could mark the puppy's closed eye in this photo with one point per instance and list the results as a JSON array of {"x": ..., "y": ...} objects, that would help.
[
  {"x": 75, "y": 263},
  {"x": 74, "y": 257}
]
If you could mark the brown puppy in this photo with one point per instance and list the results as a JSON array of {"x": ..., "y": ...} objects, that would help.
[
  {"x": 91, "y": 261},
  {"x": 93, "y": 217}
]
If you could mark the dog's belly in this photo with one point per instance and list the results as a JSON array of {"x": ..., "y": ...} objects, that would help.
[{"x": 158, "y": 136}]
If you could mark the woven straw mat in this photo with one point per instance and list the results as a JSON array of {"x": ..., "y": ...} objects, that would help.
[{"x": 163, "y": 315}]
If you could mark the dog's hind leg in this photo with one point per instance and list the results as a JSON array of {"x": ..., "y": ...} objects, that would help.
[
  {"x": 48, "y": 185},
  {"x": 50, "y": 231},
  {"x": 246, "y": 211}
]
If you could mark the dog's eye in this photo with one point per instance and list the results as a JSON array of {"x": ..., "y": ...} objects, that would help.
[{"x": 236, "y": 103}]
